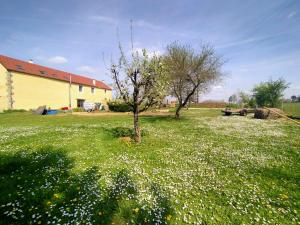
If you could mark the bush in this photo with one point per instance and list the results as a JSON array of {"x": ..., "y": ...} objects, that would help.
[
  {"x": 78, "y": 110},
  {"x": 117, "y": 106},
  {"x": 270, "y": 93},
  {"x": 247, "y": 101},
  {"x": 232, "y": 106},
  {"x": 14, "y": 110}
]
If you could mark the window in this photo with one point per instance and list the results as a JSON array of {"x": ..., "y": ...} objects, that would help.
[
  {"x": 19, "y": 67},
  {"x": 92, "y": 90},
  {"x": 80, "y": 88},
  {"x": 105, "y": 91}
]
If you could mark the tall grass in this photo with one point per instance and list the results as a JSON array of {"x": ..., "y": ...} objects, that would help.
[{"x": 292, "y": 109}]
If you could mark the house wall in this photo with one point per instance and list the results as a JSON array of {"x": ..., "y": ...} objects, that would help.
[
  {"x": 32, "y": 91},
  {"x": 3, "y": 89},
  {"x": 99, "y": 96}
]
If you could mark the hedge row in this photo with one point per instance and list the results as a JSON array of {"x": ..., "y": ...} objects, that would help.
[{"x": 117, "y": 106}]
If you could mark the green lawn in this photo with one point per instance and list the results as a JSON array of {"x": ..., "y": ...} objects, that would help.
[
  {"x": 292, "y": 109},
  {"x": 202, "y": 169}
]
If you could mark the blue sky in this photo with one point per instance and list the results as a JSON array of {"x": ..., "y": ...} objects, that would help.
[{"x": 258, "y": 39}]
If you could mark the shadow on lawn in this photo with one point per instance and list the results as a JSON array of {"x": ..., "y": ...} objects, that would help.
[
  {"x": 157, "y": 119},
  {"x": 39, "y": 188}
]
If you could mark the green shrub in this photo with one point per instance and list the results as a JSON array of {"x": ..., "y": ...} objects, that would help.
[
  {"x": 14, "y": 110},
  {"x": 118, "y": 106},
  {"x": 78, "y": 110},
  {"x": 232, "y": 106},
  {"x": 270, "y": 93}
]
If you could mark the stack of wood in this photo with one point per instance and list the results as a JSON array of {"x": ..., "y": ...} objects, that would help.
[
  {"x": 241, "y": 112},
  {"x": 264, "y": 113}
]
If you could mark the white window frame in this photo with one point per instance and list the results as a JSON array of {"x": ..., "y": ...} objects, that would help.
[{"x": 93, "y": 90}]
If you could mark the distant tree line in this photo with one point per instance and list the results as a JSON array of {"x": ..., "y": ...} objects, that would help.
[{"x": 269, "y": 94}]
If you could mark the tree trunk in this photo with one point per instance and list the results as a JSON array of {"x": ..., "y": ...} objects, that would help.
[
  {"x": 137, "y": 131},
  {"x": 177, "y": 114}
]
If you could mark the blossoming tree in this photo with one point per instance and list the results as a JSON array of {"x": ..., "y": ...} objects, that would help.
[{"x": 140, "y": 82}]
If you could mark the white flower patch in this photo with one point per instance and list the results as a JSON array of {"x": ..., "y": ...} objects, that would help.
[
  {"x": 244, "y": 126},
  {"x": 12, "y": 133}
]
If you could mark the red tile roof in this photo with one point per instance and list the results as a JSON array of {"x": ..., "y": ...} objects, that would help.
[{"x": 16, "y": 65}]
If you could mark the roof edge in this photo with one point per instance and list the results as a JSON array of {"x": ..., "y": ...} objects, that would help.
[{"x": 33, "y": 69}]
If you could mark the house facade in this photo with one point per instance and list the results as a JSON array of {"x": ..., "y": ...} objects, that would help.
[{"x": 25, "y": 85}]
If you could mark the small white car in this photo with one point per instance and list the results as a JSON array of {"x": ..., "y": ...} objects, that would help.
[{"x": 89, "y": 107}]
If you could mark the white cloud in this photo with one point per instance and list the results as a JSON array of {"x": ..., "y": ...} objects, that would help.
[
  {"x": 217, "y": 87},
  {"x": 114, "y": 21},
  {"x": 249, "y": 40},
  {"x": 86, "y": 69},
  {"x": 104, "y": 19},
  {"x": 244, "y": 42},
  {"x": 57, "y": 60},
  {"x": 145, "y": 24},
  {"x": 291, "y": 14},
  {"x": 284, "y": 61}
]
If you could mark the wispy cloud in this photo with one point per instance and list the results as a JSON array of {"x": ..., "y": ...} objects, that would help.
[
  {"x": 104, "y": 19},
  {"x": 248, "y": 40},
  {"x": 145, "y": 24},
  {"x": 291, "y": 14},
  {"x": 86, "y": 69},
  {"x": 286, "y": 61},
  {"x": 115, "y": 21},
  {"x": 58, "y": 60}
]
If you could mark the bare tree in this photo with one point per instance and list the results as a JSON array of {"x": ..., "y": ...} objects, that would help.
[
  {"x": 190, "y": 71},
  {"x": 140, "y": 82}
]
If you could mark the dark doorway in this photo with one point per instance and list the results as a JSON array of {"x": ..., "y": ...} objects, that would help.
[{"x": 80, "y": 103}]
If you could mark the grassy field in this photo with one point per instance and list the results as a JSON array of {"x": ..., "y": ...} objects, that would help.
[
  {"x": 202, "y": 169},
  {"x": 292, "y": 109}
]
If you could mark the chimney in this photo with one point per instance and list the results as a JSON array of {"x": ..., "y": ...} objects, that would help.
[{"x": 31, "y": 61}]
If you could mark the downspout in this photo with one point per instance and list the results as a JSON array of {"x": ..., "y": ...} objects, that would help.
[
  {"x": 70, "y": 97},
  {"x": 9, "y": 87}
]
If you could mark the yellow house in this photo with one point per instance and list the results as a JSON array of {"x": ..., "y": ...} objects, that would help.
[{"x": 25, "y": 85}]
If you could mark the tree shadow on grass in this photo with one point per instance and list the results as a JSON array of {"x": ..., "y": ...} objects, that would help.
[
  {"x": 118, "y": 132},
  {"x": 39, "y": 188},
  {"x": 157, "y": 119},
  {"x": 281, "y": 175}
]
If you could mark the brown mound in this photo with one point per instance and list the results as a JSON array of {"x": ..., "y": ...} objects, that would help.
[{"x": 271, "y": 113}]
